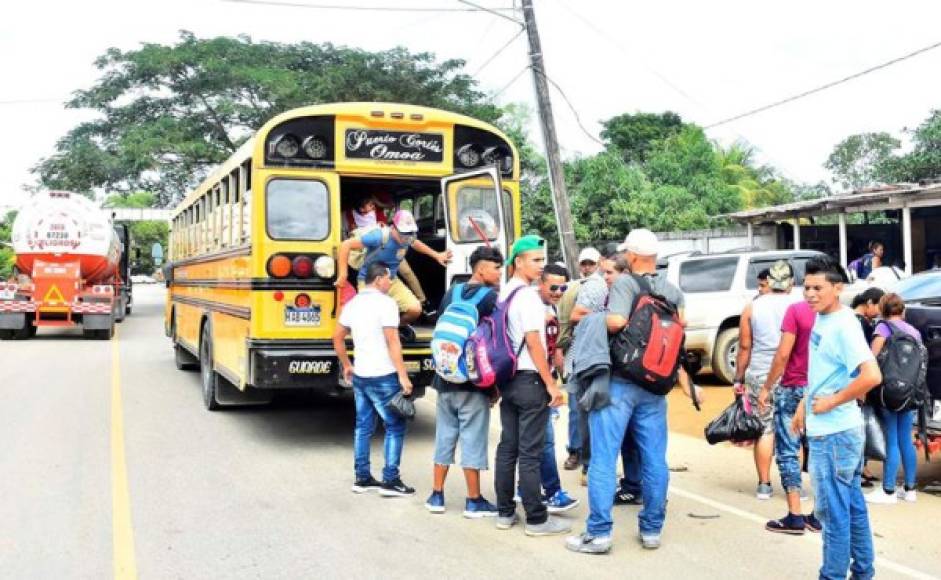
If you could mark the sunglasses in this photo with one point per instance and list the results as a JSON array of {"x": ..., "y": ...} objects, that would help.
[{"x": 558, "y": 287}]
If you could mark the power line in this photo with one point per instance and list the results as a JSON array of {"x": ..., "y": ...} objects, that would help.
[
  {"x": 510, "y": 84},
  {"x": 362, "y": 8},
  {"x": 497, "y": 53},
  {"x": 826, "y": 86},
  {"x": 578, "y": 119}
]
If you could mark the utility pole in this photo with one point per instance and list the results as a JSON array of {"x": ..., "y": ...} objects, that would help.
[{"x": 560, "y": 198}]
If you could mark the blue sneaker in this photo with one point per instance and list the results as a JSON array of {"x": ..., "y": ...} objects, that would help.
[
  {"x": 479, "y": 508},
  {"x": 435, "y": 502},
  {"x": 560, "y": 502}
]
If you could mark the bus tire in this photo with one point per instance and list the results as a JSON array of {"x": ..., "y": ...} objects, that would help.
[
  {"x": 724, "y": 354},
  {"x": 209, "y": 378}
]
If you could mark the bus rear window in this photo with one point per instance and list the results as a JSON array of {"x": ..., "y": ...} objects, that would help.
[{"x": 297, "y": 210}]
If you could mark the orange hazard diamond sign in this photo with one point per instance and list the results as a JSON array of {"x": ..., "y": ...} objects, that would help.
[{"x": 54, "y": 295}]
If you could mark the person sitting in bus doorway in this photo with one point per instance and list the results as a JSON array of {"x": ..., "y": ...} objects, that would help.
[
  {"x": 391, "y": 248},
  {"x": 368, "y": 213},
  {"x": 372, "y": 318}
]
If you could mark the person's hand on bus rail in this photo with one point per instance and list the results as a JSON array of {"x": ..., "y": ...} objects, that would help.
[
  {"x": 444, "y": 258},
  {"x": 341, "y": 279}
]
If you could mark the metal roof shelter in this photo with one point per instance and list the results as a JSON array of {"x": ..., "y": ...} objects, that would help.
[{"x": 903, "y": 196}]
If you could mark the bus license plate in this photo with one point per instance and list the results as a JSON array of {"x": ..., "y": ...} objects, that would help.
[{"x": 294, "y": 316}]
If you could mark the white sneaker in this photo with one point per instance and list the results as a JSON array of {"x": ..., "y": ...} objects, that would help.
[
  {"x": 907, "y": 495},
  {"x": 879, "y": 496}
]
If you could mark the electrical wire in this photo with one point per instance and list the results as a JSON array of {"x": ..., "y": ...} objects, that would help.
[
  {"x": 509, "y": 84},
  {"x": 829, "y": 85},
  {"x": 362, "y": 8},
  {"x": 497, "y": 53},
  {"x": 578, "y": 119}
]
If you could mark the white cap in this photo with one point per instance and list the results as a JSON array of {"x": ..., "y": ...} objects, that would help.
[
  {"x": 589, "y": 255},
  {"x": 642, "y": 242}
]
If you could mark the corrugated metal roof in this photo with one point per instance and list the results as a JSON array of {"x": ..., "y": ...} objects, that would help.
[{"x": 892, "y": 196}]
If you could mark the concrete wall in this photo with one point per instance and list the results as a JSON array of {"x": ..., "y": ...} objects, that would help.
[{"x": 706, "y": 241}]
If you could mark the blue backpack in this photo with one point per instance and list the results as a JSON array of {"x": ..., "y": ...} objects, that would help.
[{"x": 452, "y": 330}]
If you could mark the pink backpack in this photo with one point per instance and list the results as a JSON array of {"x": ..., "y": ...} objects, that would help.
[{"x": 489, "y": 355}]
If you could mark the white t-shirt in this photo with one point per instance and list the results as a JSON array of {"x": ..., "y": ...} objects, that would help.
[
  {"x": 367, "y": 315},
  {"x": 527, "y": 314}
]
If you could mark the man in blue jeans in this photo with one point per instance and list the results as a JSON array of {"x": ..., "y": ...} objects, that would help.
[
  {"x": 841, "y": 370},
  {"x": 372, "y": 318},
  {"x": 634, "y": 408}
]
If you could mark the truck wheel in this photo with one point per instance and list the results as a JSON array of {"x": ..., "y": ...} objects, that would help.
[
  {"x": 107, "y": 333},
  {"x": 724, "y": 354},
  {"x": 210, "y": 378}
]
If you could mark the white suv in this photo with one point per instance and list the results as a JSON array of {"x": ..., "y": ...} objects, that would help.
[{"x": 717, "y": 287}]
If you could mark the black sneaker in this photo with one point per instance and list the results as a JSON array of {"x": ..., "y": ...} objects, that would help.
[
  {"x": 366, "y": 485},
  {"x": 790, "y": 524},
  {"x": 812, "y": 524},
  {"x": 395, "y": 488},
  {"x": 429, "y": 311},
  {"x": 622, "y": 497}
]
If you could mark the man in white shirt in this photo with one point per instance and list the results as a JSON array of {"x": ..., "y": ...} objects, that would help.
[
  {"x": 372, "y": 318},
  {"x": 524, "y": 410}
]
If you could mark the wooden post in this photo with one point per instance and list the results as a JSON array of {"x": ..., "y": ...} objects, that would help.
[{"x": 907, "y": 239}]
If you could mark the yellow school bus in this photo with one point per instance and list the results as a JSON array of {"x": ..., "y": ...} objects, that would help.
[{"x": 253, "y": 249}]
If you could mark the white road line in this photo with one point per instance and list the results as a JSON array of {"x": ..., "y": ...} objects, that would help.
[{"x": 883, "y": 563}]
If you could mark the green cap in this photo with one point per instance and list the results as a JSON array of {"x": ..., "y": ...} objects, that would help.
[{"x": 525, "y": 244}]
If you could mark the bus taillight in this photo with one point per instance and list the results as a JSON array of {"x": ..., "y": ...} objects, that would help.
[
  {"x": 302, "y": 301},
  {"x": 302, "y": 267},
  {"x": 279, "y": 266}
]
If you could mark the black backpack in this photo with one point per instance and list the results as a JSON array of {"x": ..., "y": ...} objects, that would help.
[
  {"x": 649, "y": 350},
  {"x": 903, "y": 361}
]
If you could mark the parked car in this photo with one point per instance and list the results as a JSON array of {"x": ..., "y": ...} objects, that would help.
[
  {"x": 717, "y": 287},
  {"x": 922, "y": 295}
]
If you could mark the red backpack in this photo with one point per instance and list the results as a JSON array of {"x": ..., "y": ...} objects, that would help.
[{"x": 647, "y": 350}]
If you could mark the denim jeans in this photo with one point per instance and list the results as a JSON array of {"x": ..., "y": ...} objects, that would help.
[
  {"x": 646, "y": 415},
  {"x": 630, "y": 460},
  {"x": 372, "y": 396},
  {"x": 549, "y": 467},
  {"x": 836, "y": 465},
  {"x": 898, "y": 442},
  {"x": 524, "y": 413},
  {"x": 787, "y": 444},
  {"x": 575, "y": 436}
]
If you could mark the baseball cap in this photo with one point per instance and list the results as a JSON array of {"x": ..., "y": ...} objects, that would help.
[
  {"x": 642, "y": 242},
  {"x": 525, "y": 244},
  {"x": 780, "y": 275},
  {"x": 589, "y": 255},
  {"x": 404, "y": 221}
]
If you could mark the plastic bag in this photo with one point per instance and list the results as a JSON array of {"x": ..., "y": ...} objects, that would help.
[
  {"x": 402, "y": 406},
  {"x": 734, "y": 424},
  {"x": 875, "y": 434}
]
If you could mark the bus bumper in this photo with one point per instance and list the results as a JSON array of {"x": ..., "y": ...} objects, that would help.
[{"x": 292, "y": 364}]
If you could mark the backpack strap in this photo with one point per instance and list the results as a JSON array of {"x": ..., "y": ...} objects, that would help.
[
  {"x": 507, "y": 302},
  {"x": 478, "y": 296}
]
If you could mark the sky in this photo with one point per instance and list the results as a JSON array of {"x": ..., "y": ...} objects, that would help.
[{"x": 706, "y": 61}]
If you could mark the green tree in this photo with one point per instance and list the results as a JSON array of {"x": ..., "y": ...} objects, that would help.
[
  {"x": 6, "y": 252},
  {"x": 859, "y": 160},
  {"x": 924, "y": 161},
  {"x": 170, "y": 113},
  {"x": 757, "y": 185},
  {"x": 634, "y": 135},
  {"x": 143, "y": 234},
  {"x": 689, "y": 161}
]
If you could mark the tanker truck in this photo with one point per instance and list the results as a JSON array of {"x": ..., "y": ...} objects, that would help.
[{"x": 72, "y": 269}]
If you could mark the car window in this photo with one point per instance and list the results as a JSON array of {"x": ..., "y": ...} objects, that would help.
[
  {"x": 919, "y": 287},
  {"x": 707, "y": 275}
]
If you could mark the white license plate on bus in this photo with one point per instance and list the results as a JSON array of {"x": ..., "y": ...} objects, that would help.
[{"x": 294, "y": 316}]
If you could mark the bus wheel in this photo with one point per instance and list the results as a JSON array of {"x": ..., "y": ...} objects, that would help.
[{"x": 210, "y": 378}]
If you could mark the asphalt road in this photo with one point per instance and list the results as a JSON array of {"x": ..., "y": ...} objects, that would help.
[{"x": 106, "y": 473}]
